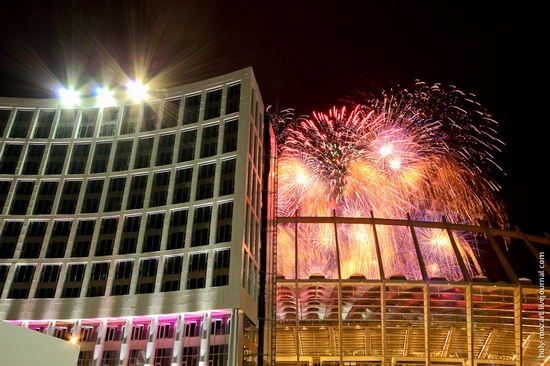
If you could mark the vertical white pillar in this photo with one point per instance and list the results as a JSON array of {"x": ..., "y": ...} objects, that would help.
[{"x": 205, "y": 340}]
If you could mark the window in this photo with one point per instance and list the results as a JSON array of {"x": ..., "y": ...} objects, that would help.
[
  {"x": 153, "y": 232},
  {"x": 108, "y": 126},
  {"x": 137, "y": 192},
  {"x": 48, "y": 281},
  {"x": 170, "y": 115},
  {"x": 4, "y": 190},
  {"x": 233, "y": 98},
  {"x": 4, "y": 269},
  {"x": 196, "y": 273},
  {"x": 227, "y": 179},
  {"x": 83, "y": 238},
  {"x": 33, "y": 240},
  {"x": 205, "y": 183},
  {"x": 143, "y": 154},
  {"x": 201, "y": 226},
  {"x": 89, "y": 118},
  {"x": 224, "y": 223},
  {"x": 163, "y": 356},
  {"x": 230, "y": 135},
  {"x": 221, "y": 267},
  {"x": 35, "y": 153},
  {"x": 190, "y": 355},
  {"x": 187, "y": 145},
  {"x": 165, "y": 149},
  {"x": 98, "y": 279},
  {"x": 123, "y": 276},
  {"x": 101, "y": 157},
  {"x": 22, "y": 280},
  {"x": 56, "y": 159},
  {"x": 106, "y": 237},
  {"x": 10, "y": 158},
  {"x": 172, "y": 273},
  {"x": 93, "y": 195},
  {"x": 4, "y": 118},
  {"x": 192, "y": 109},
  {"x": 209, "y": 144},
  {"x": 150, "y": 117},
  {"x": 182, "y": 187},
  {"x": 69, "y": 197},
  {"x": 21, "y": 123},
  {"x": 115, "y": 194},
  {"x": 79, "y": 159},
  {"x": 73, "y": 280},
  {"x": 213, "y": 104},
  {"x": 21, "y": 198},
  {"x": 178, "y": 226},
  {"x": 8, "y": 240},
  {"x": 159, "y": 192},
  {"x": 123, "y": 154},
  {"x": 44, "y": 200},
  {"x": 66, "y": 122},
  {"x": 59, "y": 239},
  {"x": 129, "y": 119},
  {"x": 147, "y": 275},
  {"x": 130, "y": 234},
  {"x": 43, "y": 125}
]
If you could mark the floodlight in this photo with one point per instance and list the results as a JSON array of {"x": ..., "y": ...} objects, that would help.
[
  {"x": 69, "y": 97},
  {"x": 136, "y": 90}
]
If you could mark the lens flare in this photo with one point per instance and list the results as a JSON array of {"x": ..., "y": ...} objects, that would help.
[{"x": 426, "y": 153}]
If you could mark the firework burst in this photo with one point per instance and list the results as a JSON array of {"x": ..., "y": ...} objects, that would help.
[{"x": 427, "y": 153}]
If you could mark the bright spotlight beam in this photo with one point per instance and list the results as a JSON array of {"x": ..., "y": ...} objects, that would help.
[
  {"x": 136, "y": 90},
  {"x": 69, "y": 97},
  {"x": 104, "y": 97}
]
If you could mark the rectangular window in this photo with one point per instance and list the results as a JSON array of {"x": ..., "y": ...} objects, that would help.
[
  {"x": 122, "y": 156},
  {"x": 115, "y": 194},
  {"x": 35, "y": 153},
  {"x": 150, "y": 117},
  {"x": 130, "y": 234},
  {"x": 4, "y": 118},
  {"x": 147, "y": 276},
  {"x": 213, "y": 104},
  {"x": 171, "y": 112},
  {"x": 83, "y": 238},
  {"x": 137, "y": 192},
  {"x": 59, "y": 239},
  {"x": 221, "y": 267},
  {"x": 48, "y": 281},
  {"x": 192, "y": 109},
  {"x": 21, "y": 123},
  {"x": 4, "y": 190},
  {"x": 79, "y": 158},
  {"x": 129, "y": 119},
  {"x": 98, "y": 279},
  {"x": 233, "y": 98},
  {"x": 8, "y": 240},
  {"x": 87, "y": 125},
  {"x": 106, "y": 239},
  {"x": 201, "y": 226},
  {"x": 56, "y": 159},
  {"x": 66, "y": 123},
  {"x": 230, "y": 135},
  {"x": 94, "y": 189},
  {"x": 227, "y": 179},
  {"x": 159, "y": 191},
  {"x": 21, "y": 198},
  {"x": 143, "y": 154},
  {"x": 69, "y": 197},
  {"x": 109, "y": 123},
  {"x": 44, "y": 200},
  {"x": 100, "y": 159},
  {"x": 182, "y": 186},
  {"x": 73, "y": 280},
  {"x": 187, "y": 145},
  {"x": 224, "y": 223},
  {"x": 4, "y": 269},
  {"x": 10, "y": 158},
  {"x": 205, "y": 182},
  {"x": 165, "y": 149},
  {"x": 209, "y": 143},
  {"x": 172, "y": 273},
  {"x": 34, "y": 239},
  {"x": 178, "y": 226},
  {"x": 22, "y": 281},
  {"x": 43, "y": 125},
  {"x": 123, "y": 276},
  {"x": 153, "y": 232},
  {"x": 196, "y": 273}
]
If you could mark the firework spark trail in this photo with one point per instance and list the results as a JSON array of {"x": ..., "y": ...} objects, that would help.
[{"x": 427, "y": 153}]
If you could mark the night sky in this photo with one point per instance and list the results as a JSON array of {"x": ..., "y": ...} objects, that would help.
[{"x": 306, "y": 55}]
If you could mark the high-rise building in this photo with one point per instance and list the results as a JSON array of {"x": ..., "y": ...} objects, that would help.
[{"x": 134, "y": 227}]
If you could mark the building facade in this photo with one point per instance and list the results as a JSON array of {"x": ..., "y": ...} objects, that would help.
[{"x": 134, "y": 228}]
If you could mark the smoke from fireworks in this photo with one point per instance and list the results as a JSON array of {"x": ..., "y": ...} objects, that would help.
[{"x": 427, "y": 153}]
